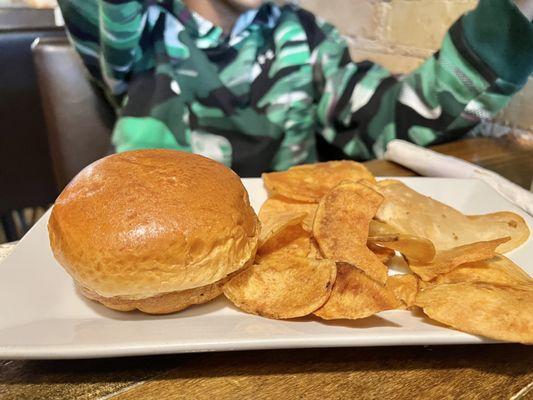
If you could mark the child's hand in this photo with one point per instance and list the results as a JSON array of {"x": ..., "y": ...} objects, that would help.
[{"x": 526, "y": 6}]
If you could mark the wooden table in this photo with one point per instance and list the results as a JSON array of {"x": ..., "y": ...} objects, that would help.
[{"x": 444, "y": 372}]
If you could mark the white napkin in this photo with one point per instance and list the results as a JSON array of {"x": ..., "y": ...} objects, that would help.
[{"x": 429, "y": 163}]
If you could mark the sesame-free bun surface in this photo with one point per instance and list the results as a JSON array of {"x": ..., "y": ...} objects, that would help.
[
  {"x": 162, "y": 303},
  {"x": 144, "y": 223}
]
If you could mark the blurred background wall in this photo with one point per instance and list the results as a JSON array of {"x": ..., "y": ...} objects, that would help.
[{"x": 400, "y": 34}]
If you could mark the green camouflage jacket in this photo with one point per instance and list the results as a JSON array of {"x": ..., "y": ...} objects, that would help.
[{"x": 281, "y": 88}]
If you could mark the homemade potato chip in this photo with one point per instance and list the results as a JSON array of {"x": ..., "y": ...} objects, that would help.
[
  {"x": 315, "y": 250},
  {"x": 387, "y": 182},
  {"x": 278, "y": 205},
  {"x": 274, "y": 225},
  {"x": 404, "y": 287},
  {"x": 293, "y": 240},
  {"x": 412, "y": 213},
  {"x": 379, "y": 228},
  {"x": 498, "y": 269},
  {"x": 447, "y": 260},
  {"x": 355, "y": 295},
  {"x": 492, "y": 310},
  {"x": 502, "y": 224},
  {"x": 413, "y": 247},
  {"x": 341, "y": 227},
  {"x": 282, "y": 287},
  {"x": 310, "y": 182},
  {"x": 384, "y": 254}
]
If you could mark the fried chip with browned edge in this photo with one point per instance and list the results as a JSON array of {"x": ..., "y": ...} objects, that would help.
[
  {"x": 380, "y": 228},
  {"x": 498, "y": 269},
  {"x": 496, "y": 311},
  {"x": 341, "y": 227},
  {"x": 279, "y": 205},
  {"x": 315, "y": 250},
  {"x": 384, "y": 254},
  {"x": 404, "y": 287},
  {"x": 293, "y": 240},
  {"x": 413, "y": 247},
  {"x": 277, "y": 223},
  {"x": 447, "y": 260},
  {"x": 282, "y": 287},
  {"x": 412, "y": 213},
  {"x": 355, "y": 295},
  {"x": 312, "y": 181}
]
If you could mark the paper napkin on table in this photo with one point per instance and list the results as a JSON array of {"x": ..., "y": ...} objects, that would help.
[{"x": 430, "y": 163}]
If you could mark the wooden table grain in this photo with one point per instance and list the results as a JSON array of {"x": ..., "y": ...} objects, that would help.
[{"x": 498, "y": 371}]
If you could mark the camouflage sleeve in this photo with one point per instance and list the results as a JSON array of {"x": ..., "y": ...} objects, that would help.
[
  {"x": 108, "y": 36},
  {"x": 480, "y": 65}
]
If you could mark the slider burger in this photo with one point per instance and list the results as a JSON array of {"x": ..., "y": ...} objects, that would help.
[{"x": 153, "y": 230}]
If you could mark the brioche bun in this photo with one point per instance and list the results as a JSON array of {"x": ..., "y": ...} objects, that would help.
[{"x": 142, "y": 226}]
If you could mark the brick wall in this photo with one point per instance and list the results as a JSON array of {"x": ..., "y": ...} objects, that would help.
[{"x": 400, "y": 34}]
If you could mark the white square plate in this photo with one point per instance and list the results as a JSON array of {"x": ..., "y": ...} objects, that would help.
[{"x": 42, "y": 316}]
